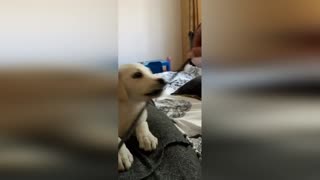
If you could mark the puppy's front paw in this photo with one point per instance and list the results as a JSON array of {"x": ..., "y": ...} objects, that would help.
[
  {"x": 125, "y": 158},
  {"x": 147, "y": 141}
]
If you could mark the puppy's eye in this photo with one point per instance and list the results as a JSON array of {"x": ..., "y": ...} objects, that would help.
[{"x": 137, "y": 75}]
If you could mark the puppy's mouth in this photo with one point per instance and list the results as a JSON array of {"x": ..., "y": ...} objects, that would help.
[{"x": 154, "y": 93}]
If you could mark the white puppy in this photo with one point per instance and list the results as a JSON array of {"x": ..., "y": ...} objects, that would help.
[{"x": 137, "y": 85}]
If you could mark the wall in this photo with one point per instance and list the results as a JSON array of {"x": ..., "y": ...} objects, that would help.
[
  {"x": 149, "y": 29},
  {"x": 58, "y": 32}
]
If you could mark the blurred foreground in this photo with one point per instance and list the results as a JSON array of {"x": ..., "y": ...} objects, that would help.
[
  {"x": 262, "y": 122},
  {"x": 60, "y": 122}
]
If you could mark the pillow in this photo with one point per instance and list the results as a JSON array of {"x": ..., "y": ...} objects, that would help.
[{"x": 192, "y": 88}]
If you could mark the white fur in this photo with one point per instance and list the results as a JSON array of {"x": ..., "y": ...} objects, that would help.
[{"x": 132, "y": 99}]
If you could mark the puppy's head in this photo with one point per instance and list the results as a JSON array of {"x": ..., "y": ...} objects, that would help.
[{"x": 136, "y": 82}]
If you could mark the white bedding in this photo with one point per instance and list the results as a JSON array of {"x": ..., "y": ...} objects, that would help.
[
  {"x": 184, "y": 111},
  {"x": 180, "y": 79}
]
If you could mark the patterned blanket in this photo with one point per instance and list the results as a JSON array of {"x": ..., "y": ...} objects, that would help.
[
  {"x": 180, "y": 78},
  {"x": 185, "y": 112}
]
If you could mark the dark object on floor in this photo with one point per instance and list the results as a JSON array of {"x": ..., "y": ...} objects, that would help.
[
  {"x": 192, "y": 88},
  {"x": 174, "y": 158}
]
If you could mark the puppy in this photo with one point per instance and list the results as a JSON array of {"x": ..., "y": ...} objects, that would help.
[{"x": 136, "y": 86}]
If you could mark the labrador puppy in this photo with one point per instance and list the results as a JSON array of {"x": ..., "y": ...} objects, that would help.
[{"x": 136, "y": 86}]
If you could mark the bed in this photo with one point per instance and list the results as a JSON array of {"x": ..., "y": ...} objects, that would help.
[
  {"x": 175, "y": 118},
  {"x": 183, "y": 109}
]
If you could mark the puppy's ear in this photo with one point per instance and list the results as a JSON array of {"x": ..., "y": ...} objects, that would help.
[{"x": 122, "y": 93}]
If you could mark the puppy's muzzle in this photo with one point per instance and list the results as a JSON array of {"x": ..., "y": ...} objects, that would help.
[{"x": 161, "y": 82}]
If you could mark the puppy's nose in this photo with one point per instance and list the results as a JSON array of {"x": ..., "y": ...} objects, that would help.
[{"x": 161, "y": 81}]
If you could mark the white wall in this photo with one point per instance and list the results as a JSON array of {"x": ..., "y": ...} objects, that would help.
[
  {"x": 51, "y": 32},
  {"x": 149, "y": 29}
]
